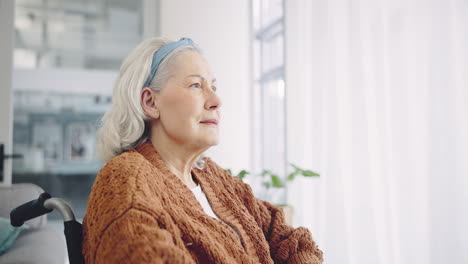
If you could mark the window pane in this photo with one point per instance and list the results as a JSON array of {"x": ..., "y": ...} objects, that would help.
[
  {"x": 271, "y": 11},
  {"x": 75, "y": 34},
  {"x": 256, "y": 15},
  {"x": 273, "y": 53},
  {"x": 257, "y": 66},
  {"x": 273, "y": 126}
]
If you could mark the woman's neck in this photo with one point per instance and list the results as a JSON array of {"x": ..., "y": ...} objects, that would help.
[{"x": 178, "y": 160}]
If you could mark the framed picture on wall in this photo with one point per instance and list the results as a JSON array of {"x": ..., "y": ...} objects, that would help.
[
  {"x": 80, "y": 141},
  {"x": 47, "y": 136}
]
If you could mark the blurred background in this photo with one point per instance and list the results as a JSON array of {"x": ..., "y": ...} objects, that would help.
[{"x": 371, "y": 95}]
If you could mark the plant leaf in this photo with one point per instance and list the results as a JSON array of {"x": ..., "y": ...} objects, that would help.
[
  {"x": 266, "y": 185},
  {"x": 229, "y": 170},
  {"x": 295, "y": 167},
  {"x": 276, "y": 181},
  {"x": 265, "y": 172},
  {"x": 242, "y": 174},
  {"x": 309, "y": 173},
  {"x": 291, "y": 176}
]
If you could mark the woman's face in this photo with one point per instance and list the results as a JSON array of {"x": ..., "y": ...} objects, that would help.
[{"x": 189, "y": 108}]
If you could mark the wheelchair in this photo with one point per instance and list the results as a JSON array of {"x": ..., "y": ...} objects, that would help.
[{"x": 45, "y": 204}]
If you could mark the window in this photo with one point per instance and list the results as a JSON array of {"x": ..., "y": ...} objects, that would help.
[
  {"x": 66, "y": 57},
  {"x": 269, "y": 126}
]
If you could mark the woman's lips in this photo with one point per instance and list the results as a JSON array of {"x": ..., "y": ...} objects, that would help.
[{"x": 210, "y": 122}]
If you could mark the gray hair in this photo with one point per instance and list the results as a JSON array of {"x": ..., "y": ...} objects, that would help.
[{"x": 125, "y": 125}]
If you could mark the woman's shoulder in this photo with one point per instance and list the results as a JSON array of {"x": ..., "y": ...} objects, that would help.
[
  {"x": 117, "y": 188},
  {"x": 122, "y": 172},
  {"x": 128, "y": 161},
  {"x": 118, "y": 170},
  {"x": 117, "y": 182}
]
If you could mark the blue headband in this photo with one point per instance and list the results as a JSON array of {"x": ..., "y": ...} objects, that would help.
[{"x": 161, "y": 53}]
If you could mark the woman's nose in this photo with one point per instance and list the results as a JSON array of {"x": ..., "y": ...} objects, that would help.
[{"x": 213, "y": 101}]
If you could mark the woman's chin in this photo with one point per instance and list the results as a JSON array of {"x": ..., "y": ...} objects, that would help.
[
  {"x": 206, "y": 143},
  {"x": 212, "y": 142}
]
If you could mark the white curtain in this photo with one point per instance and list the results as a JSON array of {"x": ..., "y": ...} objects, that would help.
[{"x": 377, "y": 101}]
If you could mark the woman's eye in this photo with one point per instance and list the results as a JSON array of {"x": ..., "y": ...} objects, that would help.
[
  {"x": 196, "y": 85},
  {"x": 214, "y": 88}
]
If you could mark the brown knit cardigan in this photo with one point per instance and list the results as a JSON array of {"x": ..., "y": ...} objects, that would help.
[{"x": 140, "y": 212}]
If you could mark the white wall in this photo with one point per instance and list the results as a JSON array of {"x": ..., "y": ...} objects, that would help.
[{"x": 221, "y": 29}]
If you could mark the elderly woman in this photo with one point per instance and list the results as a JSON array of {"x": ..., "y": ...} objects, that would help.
[{"x": 158, "y": 199}]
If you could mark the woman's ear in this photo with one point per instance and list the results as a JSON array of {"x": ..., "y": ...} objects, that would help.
[{"x": 148, "y": 102}]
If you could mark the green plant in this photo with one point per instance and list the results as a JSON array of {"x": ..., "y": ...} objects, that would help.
[{"x": 272, "y": 180}]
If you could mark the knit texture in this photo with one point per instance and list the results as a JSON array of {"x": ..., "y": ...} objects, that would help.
[{"x": 140, "y": 212}]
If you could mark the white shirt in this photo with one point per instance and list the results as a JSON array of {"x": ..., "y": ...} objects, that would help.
[{"x": 201, "y": 197}]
